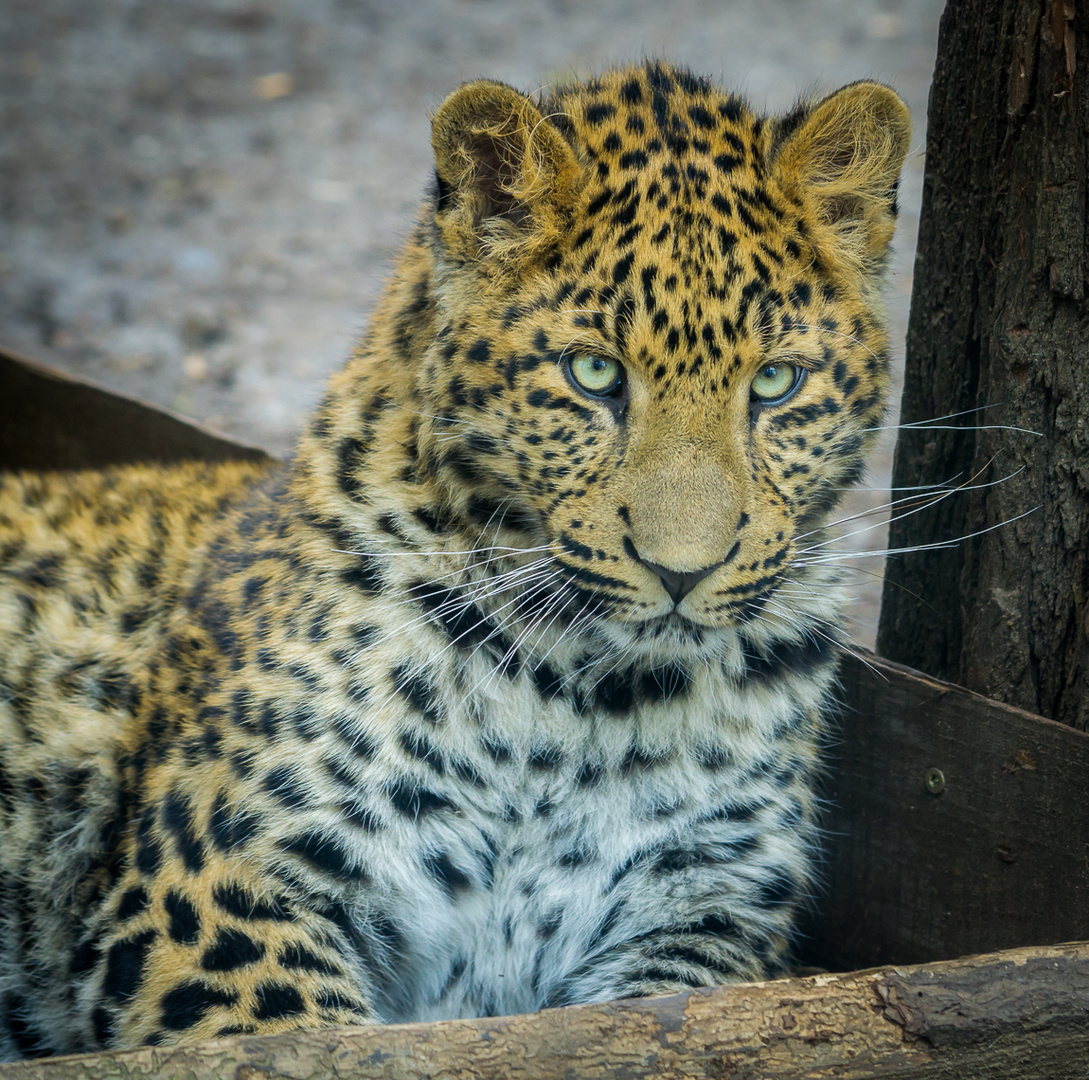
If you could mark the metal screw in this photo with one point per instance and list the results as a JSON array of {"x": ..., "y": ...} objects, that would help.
[{"x": 935, "y": 781}]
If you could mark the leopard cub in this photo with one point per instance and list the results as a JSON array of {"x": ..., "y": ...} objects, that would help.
[{"x": 506, "y": 691}]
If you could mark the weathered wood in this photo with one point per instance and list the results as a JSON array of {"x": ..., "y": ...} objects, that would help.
[
  {"x": 1000, "y": 322},
  {"x": 52, "y": 421},
  {"x": 998, "y": 858},
  {"x": 1018, "y": 1016}
]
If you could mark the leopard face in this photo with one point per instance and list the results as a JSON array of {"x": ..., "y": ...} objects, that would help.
[{"x": 659, "y": 351}]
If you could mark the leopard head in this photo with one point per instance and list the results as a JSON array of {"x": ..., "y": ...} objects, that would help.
[{"x": 660, "y": 350}]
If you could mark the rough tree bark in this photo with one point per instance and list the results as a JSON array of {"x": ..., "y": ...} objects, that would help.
[{"x": 1000, "y": 323}]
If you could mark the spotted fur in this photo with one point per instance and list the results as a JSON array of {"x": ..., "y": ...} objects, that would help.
[{"x": 506, "y": 691}]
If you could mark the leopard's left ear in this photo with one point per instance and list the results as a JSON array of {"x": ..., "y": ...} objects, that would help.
[
  {"x": 845, "y": 154},
  {"x": 508, "y": 180}
]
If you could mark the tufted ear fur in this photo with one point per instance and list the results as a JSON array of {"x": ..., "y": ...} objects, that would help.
[
  {"x": 845, "y": 154},
  {"x": 508, "y": 180}
]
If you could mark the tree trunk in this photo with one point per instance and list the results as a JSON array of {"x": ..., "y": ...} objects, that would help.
[{"x": 999, "y": 333}]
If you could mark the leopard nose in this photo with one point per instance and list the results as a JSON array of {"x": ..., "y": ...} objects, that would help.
[{"x": 679, "y": 583}]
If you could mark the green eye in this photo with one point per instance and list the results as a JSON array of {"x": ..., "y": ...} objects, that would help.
[
  {"x": 597, "y": 375},
  {"x": 774, "y": 382}
]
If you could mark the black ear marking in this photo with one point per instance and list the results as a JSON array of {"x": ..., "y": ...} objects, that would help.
[{"x": 444, "y": 194}]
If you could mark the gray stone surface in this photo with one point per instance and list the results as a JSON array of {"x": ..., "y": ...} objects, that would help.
[{"x": 200, "y": 199}]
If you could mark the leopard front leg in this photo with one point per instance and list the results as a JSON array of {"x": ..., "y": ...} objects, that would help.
[
  {"x": 711, "y": 952},
  {"x": 197, "y": 955}
]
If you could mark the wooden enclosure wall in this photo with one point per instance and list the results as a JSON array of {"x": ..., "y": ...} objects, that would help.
[{"x": 993, "y": 853}]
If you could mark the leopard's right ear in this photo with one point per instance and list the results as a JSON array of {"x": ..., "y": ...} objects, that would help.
[{"x": 508, "y": 181}]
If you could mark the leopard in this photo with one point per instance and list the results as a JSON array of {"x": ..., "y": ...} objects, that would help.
[{"x": 508, "y": 689}]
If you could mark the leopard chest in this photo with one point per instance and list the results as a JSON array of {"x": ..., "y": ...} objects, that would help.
[{"x": 505, "y": 871}]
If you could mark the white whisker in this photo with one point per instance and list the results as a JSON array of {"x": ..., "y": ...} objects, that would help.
[
  {"x": 937, "y": 545},
  {"x": 923, "y": 504}
]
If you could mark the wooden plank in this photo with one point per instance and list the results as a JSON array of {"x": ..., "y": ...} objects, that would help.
[
  {"x": 52, "y": 421},
  {"x": 998, "y": 858},
  {"x": 1017, "y": 1016}
]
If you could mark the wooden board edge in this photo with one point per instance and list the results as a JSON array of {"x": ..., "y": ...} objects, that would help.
[
  {"x": 53, "y": 420},
  {"x": 860, "y": 664},
  {"x": 1019, "y": 1015}
]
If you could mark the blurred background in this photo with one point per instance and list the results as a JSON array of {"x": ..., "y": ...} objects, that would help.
[{"x": 200, "y": 199}]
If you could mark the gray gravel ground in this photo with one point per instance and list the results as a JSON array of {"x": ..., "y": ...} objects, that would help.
[{"x": 200, "y": 199}]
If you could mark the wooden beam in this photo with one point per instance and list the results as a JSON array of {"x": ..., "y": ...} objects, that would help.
[{"x": 1022, "y": 1015}]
